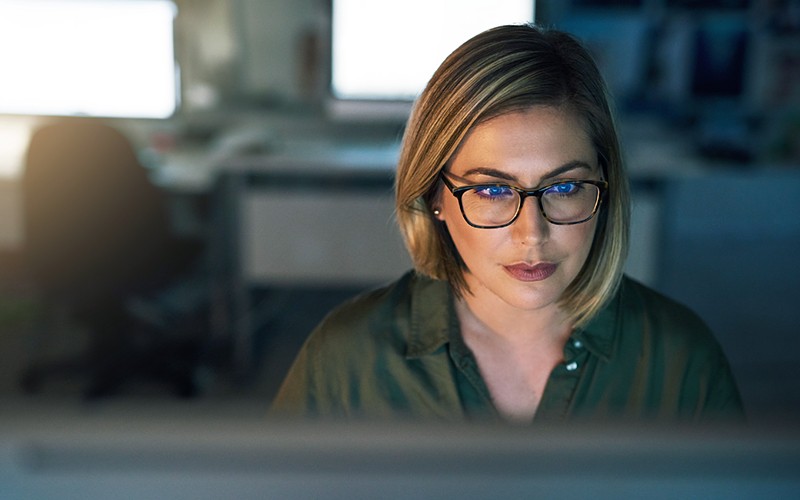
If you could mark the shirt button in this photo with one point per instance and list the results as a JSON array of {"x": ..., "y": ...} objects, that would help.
[
  {"x": 572, "y": 366},
  {"x": 577, "y": 344}
]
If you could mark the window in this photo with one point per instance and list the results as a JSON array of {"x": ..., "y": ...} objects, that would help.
[{"x": 108, "y": 58}]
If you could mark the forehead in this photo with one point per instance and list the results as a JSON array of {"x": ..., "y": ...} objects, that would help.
[{"x": 525, "y": 144}]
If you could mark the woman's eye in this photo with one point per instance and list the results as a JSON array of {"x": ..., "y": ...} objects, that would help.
[
  {"x": 563, "y": 188},
  {"x": 494, "y": 192}
]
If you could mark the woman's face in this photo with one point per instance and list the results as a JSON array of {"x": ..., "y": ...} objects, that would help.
[{"x": 528, "y": 264}]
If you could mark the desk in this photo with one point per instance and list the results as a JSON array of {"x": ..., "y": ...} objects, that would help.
[
  {"x": 318, "y": 217},
  {"x": 321, "y": 218}
]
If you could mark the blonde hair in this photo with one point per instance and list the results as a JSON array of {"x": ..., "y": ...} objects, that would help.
[{"x": 502, "y": 70}]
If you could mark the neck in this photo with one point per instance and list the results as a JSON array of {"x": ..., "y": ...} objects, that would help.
[{"x": 500, "y": 320}]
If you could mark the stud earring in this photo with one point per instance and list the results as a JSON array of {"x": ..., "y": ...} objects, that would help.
[{"x": 436, "y": 211}]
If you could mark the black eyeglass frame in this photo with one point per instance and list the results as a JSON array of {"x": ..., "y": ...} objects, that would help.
[{"x": 458, "y": 192}]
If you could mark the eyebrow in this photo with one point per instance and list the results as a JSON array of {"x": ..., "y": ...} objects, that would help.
[{"x": 567, "y": 167}]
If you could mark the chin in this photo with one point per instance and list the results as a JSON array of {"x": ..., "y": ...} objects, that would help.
[
  {"x": 532, "y": 300},
  {"x": 534, "y": 304}
]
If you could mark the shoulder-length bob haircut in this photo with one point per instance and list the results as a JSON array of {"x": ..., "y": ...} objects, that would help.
[{"x": 503, "y": 70}]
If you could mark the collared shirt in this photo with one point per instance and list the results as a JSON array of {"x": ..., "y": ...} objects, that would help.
[{"x": 398, "y": 352}]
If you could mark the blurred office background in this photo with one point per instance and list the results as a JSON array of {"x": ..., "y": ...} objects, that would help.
[{"x": 277, "y": 194}]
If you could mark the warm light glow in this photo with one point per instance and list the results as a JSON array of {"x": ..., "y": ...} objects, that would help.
[
  {"x": 15, "y": 137},
  {"x": 87, "y": 57}
]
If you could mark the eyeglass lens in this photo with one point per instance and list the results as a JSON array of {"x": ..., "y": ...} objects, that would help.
[{"x": 564, "y": 202}]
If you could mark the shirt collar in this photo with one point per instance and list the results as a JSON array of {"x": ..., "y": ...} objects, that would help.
[
  {"x": 598, "y": 335},
  {"x": 433, "y": 316}
]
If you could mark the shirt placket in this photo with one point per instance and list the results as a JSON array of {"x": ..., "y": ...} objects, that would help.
[
  {"x": 560, "y": 389},
  {"x": 475, "y": 398}
]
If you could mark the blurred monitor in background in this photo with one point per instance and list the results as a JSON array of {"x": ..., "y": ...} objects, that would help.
[{"x": 381, "y": 58}]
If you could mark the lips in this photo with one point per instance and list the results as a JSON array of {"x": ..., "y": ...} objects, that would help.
[{"x": 527, "y": 272}]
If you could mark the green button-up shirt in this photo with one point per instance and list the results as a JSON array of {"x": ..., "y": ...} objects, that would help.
[{"x": 398, "y": 352}]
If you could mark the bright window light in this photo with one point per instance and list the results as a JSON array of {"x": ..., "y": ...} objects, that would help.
[
  {"x": 109, "y": 58},
  {"x": 390, "y": 52}
]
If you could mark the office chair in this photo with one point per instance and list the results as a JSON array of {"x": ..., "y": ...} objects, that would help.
[{"x": 97, "y": 240}]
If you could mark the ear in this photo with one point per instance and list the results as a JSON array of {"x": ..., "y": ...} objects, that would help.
[{"x": 435, "y": 204}]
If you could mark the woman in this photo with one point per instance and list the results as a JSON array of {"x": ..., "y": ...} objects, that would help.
[{"x": 514, "y": 205}]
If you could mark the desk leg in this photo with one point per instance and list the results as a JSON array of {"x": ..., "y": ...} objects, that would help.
[{"x": 231, "y": 308}]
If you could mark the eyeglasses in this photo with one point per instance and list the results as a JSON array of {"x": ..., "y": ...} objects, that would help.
[{"x": 489, "y": 206}]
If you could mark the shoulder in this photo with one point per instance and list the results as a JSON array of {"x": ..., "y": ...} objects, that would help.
[
  {"x": 373, "y": 306},
  {"x": 667, "y": 348},
  {"x": 339, "y": 355},
  {"x": 655, "y": 305},
  {"x": 378, "y": 313},
  {"x": 658, "y": 317}
]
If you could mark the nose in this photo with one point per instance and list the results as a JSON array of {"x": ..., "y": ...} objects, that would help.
[{"x": 531, "y": 227}]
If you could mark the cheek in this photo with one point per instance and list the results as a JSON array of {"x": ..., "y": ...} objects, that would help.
[{"x": 476, "y": 246}]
